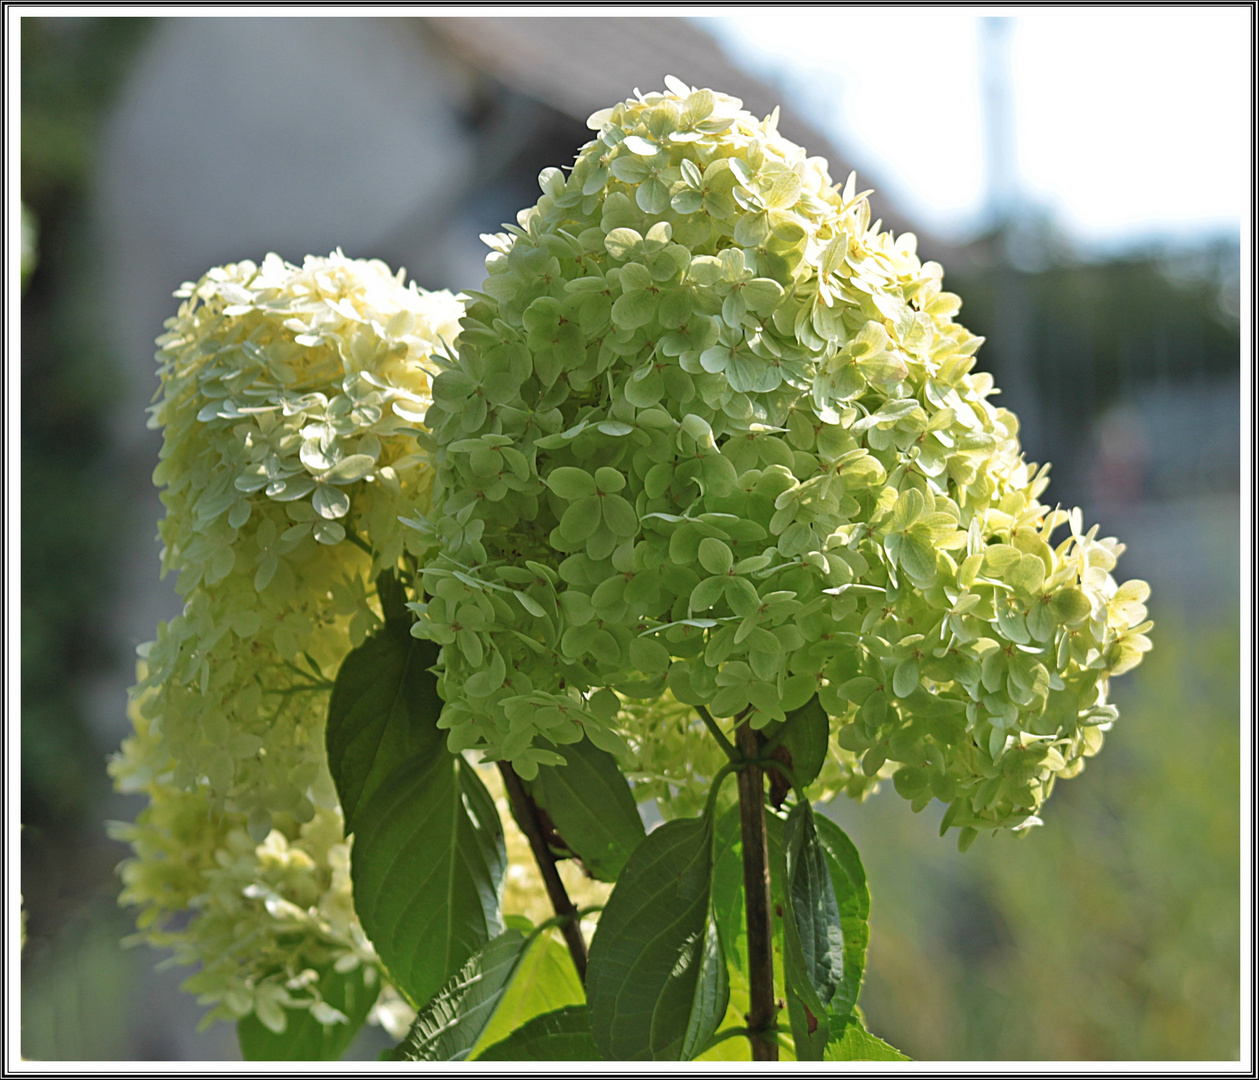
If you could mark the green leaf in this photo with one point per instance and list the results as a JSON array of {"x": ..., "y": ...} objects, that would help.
[
  {"x": 591, "y": 806},
  {"x": 563, "y": 1035},
  {"x": 814, "y": 955},
  {"x": 383, "y": 711},
  {"x": 727, "y": 887},
  {"x": 848, "y": 880},
  {"x": 448, "y": 1027},
  {"x": 809, "y": 1030},
  {"x": 304, "y": 1038},
  {"x": 544, "y": 981},
  {"x": 813, "y": 904},
  {"x": 857, "y": 1044},
  {"x": 712, "y": 994},
  {"x": 806, "y": 739},
  {"x": 427, "y": 867},
  {"x": 656, "y": 980},
  {"x": 393, "y": 604},
  {"x": 848, "y": 877}
]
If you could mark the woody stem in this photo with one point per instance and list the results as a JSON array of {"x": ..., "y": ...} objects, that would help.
[
  {"x": 526, "y": 813},
  {"x": 762, "y": 1013}
]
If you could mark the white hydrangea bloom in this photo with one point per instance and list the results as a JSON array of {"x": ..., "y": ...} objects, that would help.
[{"x": 291, "y": 401}]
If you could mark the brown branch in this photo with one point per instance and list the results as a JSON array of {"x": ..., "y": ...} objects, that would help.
[
  {"x": 762, "y": 1014},
  {"x": 528, "y": 817}
]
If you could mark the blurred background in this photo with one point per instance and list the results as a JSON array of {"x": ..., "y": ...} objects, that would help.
[{"x": 1086, "y": 207}]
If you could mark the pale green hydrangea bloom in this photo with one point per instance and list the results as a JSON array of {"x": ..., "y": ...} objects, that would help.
[
  {"x": 291, "y": 401},
  {"x": 711, "y": 430}
]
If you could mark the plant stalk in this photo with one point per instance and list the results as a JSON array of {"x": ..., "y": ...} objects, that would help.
[
  {"x": 526, "y": 813},
  {"x": 762, "y": 1013}
]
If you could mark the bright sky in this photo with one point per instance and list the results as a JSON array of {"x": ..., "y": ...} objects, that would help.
[{"x": 1131, "y": 124}]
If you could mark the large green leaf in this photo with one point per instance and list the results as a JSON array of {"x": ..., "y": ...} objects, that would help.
[
  {"x": 812, "y": 1029},
  {"x": 848, "y": 882},
  {"x": 788, "y": 956},
  {"x": 383, "y": 711},
  {"x": 712, "y": 993},
  {"x": 427, "y": 868},
  {"x": 656, "y": 981},
  {"x": 727, "y": 914},
  {"x": 592, "y": 808},
  {"x": 727, "y": 888},
  {"x": 857, "y": 1044},
  {"x": 563, "y": 1035},
  {"x": 814, "y": 907},
  {"x": 812, "y": 934},
  {"x": 806, "y": 739},
  {"x": 306, "y": 1039},
  {"x": 544, "y": 982},
  {"x": 848, "y": 877},
  {"x": 448, "y": 1027}
]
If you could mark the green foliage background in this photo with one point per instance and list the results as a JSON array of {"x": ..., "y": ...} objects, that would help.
[{"x": 1110, "y": 933}]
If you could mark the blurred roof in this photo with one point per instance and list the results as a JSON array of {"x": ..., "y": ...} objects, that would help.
[{"x": 580, "y": 65}]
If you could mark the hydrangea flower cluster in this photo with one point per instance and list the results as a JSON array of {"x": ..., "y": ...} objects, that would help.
[
  {"x": 710, "y": 430},
  {"x": 265, "y": 917},
  {"x": 291, "y": 401}
]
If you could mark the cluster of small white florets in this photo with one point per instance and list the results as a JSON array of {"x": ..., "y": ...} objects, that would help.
[{"x": 290, "y": 402}]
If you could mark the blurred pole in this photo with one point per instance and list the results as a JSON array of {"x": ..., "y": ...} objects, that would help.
[
  {"x": 1011, "y": 363},
  {"x": 1000, "y": 167}
]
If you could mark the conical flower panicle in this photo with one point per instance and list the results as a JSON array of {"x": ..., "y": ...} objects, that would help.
[
  {"x": 711, "y": 432},
  {"x": 291, "y": 403}
]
